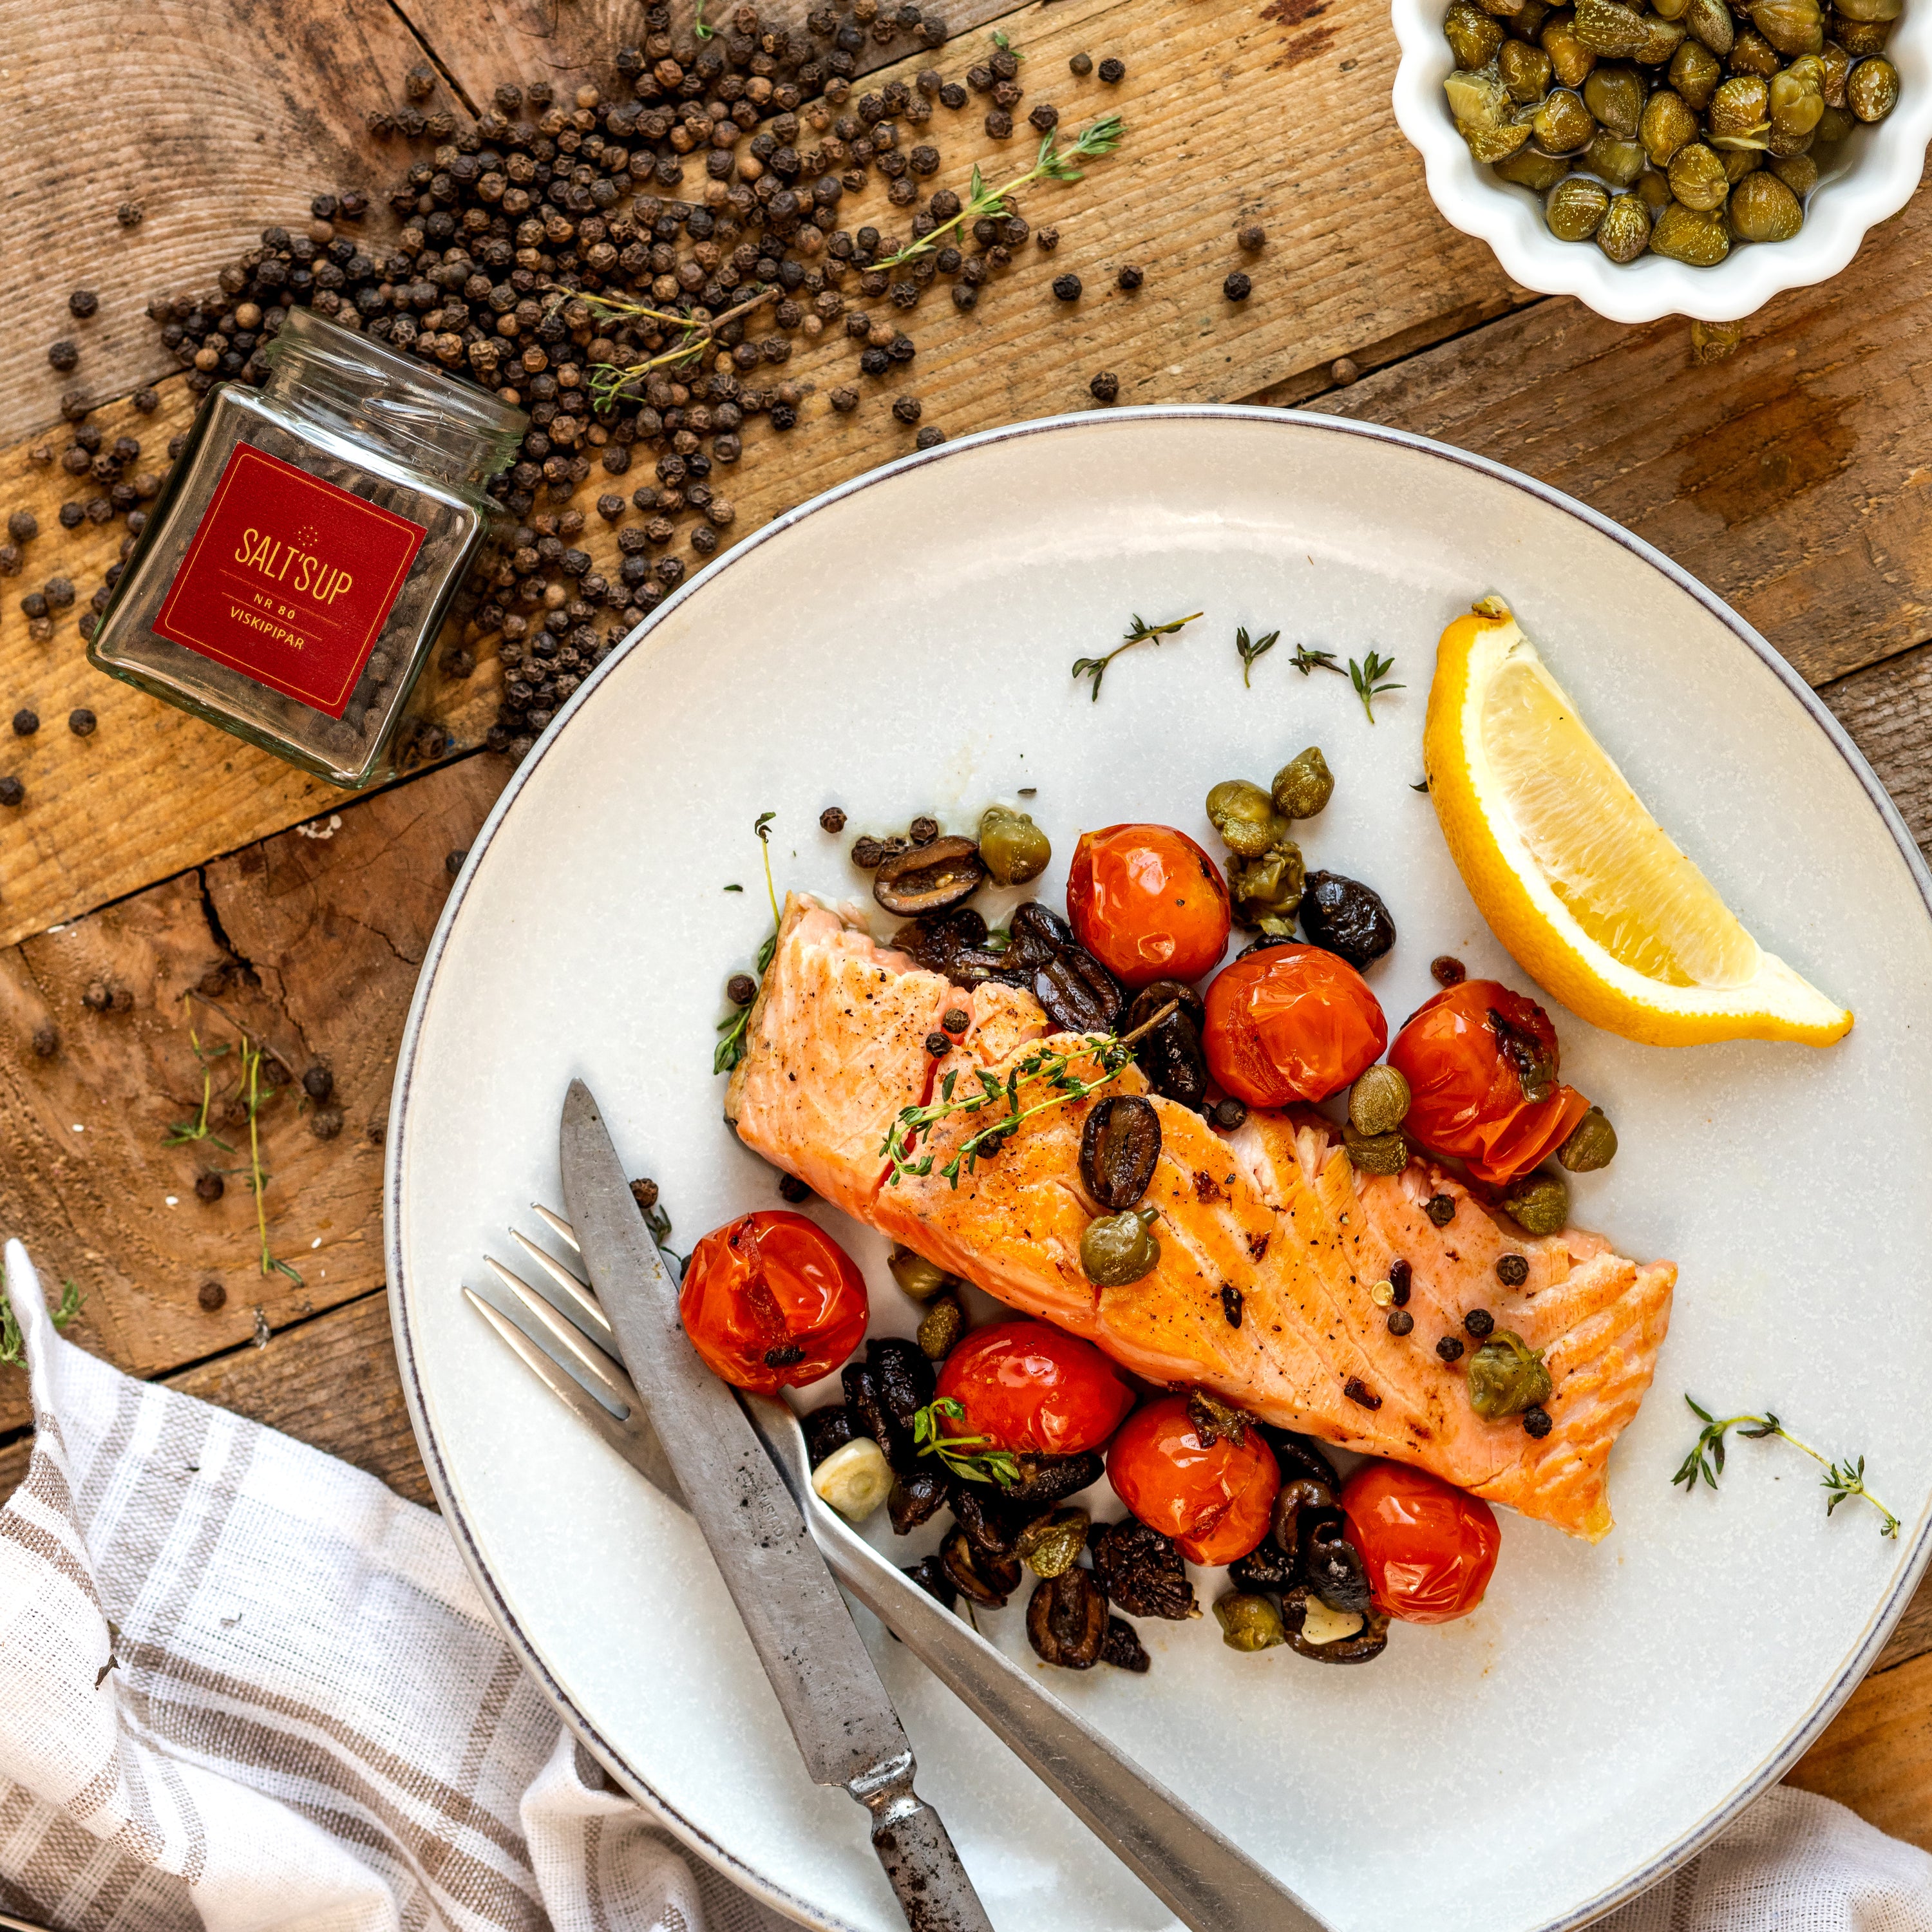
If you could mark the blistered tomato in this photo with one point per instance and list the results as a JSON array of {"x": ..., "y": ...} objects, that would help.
[
  {"x": 771, "y": 1300},
  {"x": 1148, "y": 903},
  {"x": 1429, "y": 1549},
  {"x": 1033, "y": 1389},
  {"x": 1291, "y": 1023},
  {"x": 1214, "y": 1499},
  {"x": 1481, "y": 1062}
]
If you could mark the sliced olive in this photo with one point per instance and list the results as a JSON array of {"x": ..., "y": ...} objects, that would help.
[
  {"x": 937, "y": 941},
  {"x": 1266, "y": 1567},
  {"x": 1370, "y": 1642},
  {"x": 1332, "y": 1565},
  {"x": 1119, "y": 1147},
  {"x": 1118, "y": 1249},
  {"x": 904, "y": 1378},
  {"x": 1043, "y": 1480},
  {"x": 1036, "y": 933},
  {"x": 1299, "y": 1503},
  {"x": 990, "y": 1526},
  {"x": 929, "y": 878},
  {"x": 988, "y": 1580},
  {"x": 1067, "y": 1620},
  {"x": 826, "y": 1429},
  {"x": 1301, "y": 1456},
  {"x": 916, "y": 1497},
  {"x": 1141, "y": 1570},
  {"x": 1011, "y": 848},
  {"x": 1171, "y": 1054},
  {"x": 1079, "y": 995}
]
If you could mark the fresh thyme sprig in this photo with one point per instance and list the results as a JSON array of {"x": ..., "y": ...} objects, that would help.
[
  {"x": 12, "y": 1346},
  {"x": 1054, "y": 163},
  {"x": 183, "y": 1131},
  {"x": 609, "y": 382},
  {"x": 258, "y": 1181},
  {"x": 1139, "y": 632},
  {"x": 1370, "y": 679},
  {"x": 1841, "y": 1480},
  {"x": 1251, "y": 649},
  {"x": 1305, "y": 661},
  {"x": 972, "y": 1456},
  {"x": 731, "y": 1047}
]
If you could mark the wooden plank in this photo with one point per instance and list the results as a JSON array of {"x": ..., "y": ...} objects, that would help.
[
  {"x": 1877, "y": 1756},
  {"x": 311, "y": 941},
  {"x": 217, "y": 120},
  {"x": 1790, "y": 477},
  {"x": 1887, "y": 710},
  {"x": 330, "y": 1382}
]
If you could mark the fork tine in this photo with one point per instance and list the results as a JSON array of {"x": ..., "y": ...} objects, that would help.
[
  {"x": 557, "y": 1224},
  {"x": 582, "y": 1356},
  {"x": 580, "y": 1303},
  {"x": 565, "y": 1386}
]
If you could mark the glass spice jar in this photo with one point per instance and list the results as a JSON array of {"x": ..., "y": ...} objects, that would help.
[{"x": 293, "y": 576}]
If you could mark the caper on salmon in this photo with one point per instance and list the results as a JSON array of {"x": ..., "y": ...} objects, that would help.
[
  {"x": 1117, "y": 1249},
  {"x": 1680, "y": 130}
]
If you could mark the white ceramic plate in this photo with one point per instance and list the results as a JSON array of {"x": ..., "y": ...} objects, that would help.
[{"x": 904, "y": 644}]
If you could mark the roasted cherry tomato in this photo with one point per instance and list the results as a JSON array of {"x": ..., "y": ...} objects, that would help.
[
  {"x": 1428, "y": 1549},
  {"x": 771, "y": 1300},
  {"x": 1291, "y": 1023},
  {"x": 1215, "y": 1499},
  {"x": 1148, "y": 903},
  {"x": 1034, "y": 1389},
  {"x": 1481, "y": 1064}
]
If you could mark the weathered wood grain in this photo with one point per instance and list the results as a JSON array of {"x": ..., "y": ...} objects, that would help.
[
  {"x": 1887, "y": 709},
  {"x": 311, "y": 942},
  {"x": 217, "y": 120},
  {"x": 1791, "y": 478},
  {"x": 1877, "y": 1756},
  {"x": 330, "y": 1382}
]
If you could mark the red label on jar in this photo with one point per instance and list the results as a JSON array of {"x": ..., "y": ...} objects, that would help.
[{"x": 289, "y": 580}]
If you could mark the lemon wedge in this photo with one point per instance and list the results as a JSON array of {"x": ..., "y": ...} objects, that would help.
[{"x": 1574, "y": 876}]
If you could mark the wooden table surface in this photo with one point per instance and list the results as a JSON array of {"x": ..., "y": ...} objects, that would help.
[{"x": 158, "y": 856}]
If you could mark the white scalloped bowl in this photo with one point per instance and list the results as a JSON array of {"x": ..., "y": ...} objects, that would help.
[{"x": 1873, "y": 177}]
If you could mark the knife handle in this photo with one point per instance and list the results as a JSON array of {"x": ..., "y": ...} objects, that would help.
[{"x": 927, "y": 1877}]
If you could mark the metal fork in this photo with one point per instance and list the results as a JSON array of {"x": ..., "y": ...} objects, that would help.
[{"x": 1207, "y": 1882}]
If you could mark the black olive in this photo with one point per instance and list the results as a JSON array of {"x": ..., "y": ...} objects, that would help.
[
  {"x": 992, "y": 1528},
  {"x": 1266, "y": 1567},
  {"x": 1344, "y": 915},
  {"x": 1078, "y": 993},
  {"x": 1119, "y": 1147},
  {"x": 1122, "y": 1647},
  {"x": 1067, "y": 1620},
  {"x": 1293, "y": 1502},
  {"x": 1171, "y": 1054},
  {"x": 1141, "y": 1570},
  {"x": 929, "y": 1573},
  {"x": 905, "y": 1376},
  {"x": 916, "y": 1497},
  {"x": 1370, "y": 1641},
  {"x": 1300, "y": 1456},
  {"x": 826, "y": 1429},
  {"x": 937, "y": 940},
  {"x": 1150, "y": 1000},
  {"x": 1046, "y": 1480},
  {"x": 1037, "y": 933},
  {"x": 929, "y": 878},
  {"x": 872, "y": 1416},
  {"x": 988, "y": 1580},
  {"x": 1266, "y": 939},
  {"x": 1333, "y": 1566}
]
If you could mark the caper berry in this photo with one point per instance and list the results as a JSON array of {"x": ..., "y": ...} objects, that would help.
[
  {"x": 1606, "y": 29},
  {"x": 1860, "y": 39},
  {"x": 920, "y": 1278},
  {"x": 1303, "y": 786},
  {"x": 1665, "y": 125},
  {"x": 1379, "y": 1099},
  {"x": 1799, "y": 172},
  {"x": 1561, "y": 124},
  {"x": 1664, "y": 38},
  {"x": 1118, "y": 1249},
  {"x": 1615, "y": 95},
  {"x": 1568, "y": 55},
  {"x": 1740, "y": 112},
  {"x": 1013, "y": 848},
  {"x": 1479, "y": 102},
  {"x": 1248, "y": 1621},
  {"x": 1683, "y": 235},
  {"x": 1709, "y": 23},
  {"x": 1792, "y": 26},
  {"x": 1739, "y": 162},
  {"x": 1695, "y": 72},
  {"x": 1474, "y": 38},
  {"x": 1539, "y": 1204},
  {"x": 1525, "y": 71},
  {"x": 1538, "y": 172},
  {"x": 1624, "y": 233},
  {"x": 1697, "y": 178},
  {"x": 1871, "y": 92},
  {"x": 1654, "y": 191},
  {"x": 1751, "y": 53},
  {"x": 1507, "y": 1376},
  {"x": 1867, "y": 12},
  {"x": 1834, "y": 124},
  {"x": 1575, "y": 207},
  {"x": 1245, "y": 817},
  {"x": 1592, "y": 1143},
  {"x": 1375, "y": 1153}
]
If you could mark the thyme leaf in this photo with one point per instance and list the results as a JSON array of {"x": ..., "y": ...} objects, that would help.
[
  {"x": 971, "y": 1456},
  {"x": 1305, "y": 661},
  {"x": 1138, "y": 632},
  {"x": 1249, "y": 649},
  {"x": 12, "y": 1346},
  {"x": 1841, "y": 1481},
  {"x": 1370, "y": 679},
  {"x": 730, "y": 1049}
]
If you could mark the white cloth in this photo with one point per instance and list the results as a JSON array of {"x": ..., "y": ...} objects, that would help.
[{"x": 310, "y": 1723}]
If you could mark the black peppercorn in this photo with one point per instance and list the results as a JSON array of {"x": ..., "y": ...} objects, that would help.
[
  {"x": 1046, "y": 240},
  {"x": 59, "y": 592},
  {"x": 1113, "y": 71},
  {"x": 326, "y": 1123},
  {"x": 82, "y": 302},
  {"x": 1237, "y": 287},
  {"x": 129, "y": 214},
  {"x": 952, "y": 95},
  {"x": 1229, "y": 1113},
  {"x": 930, "y": 437},
  {"x": 832, "y": 819},
  {"x": 1441, "y": 1209},
  {"x": 1067, "y": 287},
  {"x": 1450, "y": 1348},
  {"x": 937, "y": 1045},
  {"x": 923, "y": 830},
  {"x": 874, "y": 362},
  {"x": 1512, "y": 1270},
  {"x": 81, "y": 721},
  {"x": 1105, "y": 387},
  {"x": 25, "y": 722},
  {"x": 12, "y": 791},
  {"x": 999, "y": 125},
  {"x": 1044, "y": 118},
  {"x": 1082, "y": 64},
  {"x": 1480, "y": 1322},
  {"x": 868, "y": 854},
  {"x": 1130, "y": 278},
  {"x": 1536, "y": 1424},
  {"x": 211, "y": 1294},
  {"x": 63, "y": 354},
  {"x": 1400, "y": 1321},
  {"x": 318, "y": 1083},
  {"x": 1252, "y": 237},
  {"x": 906, "y": 409},
  {"x": 794, "y": 1190}
]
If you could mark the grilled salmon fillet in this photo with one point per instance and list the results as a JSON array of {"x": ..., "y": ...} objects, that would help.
[{"x": 1274, "y": 1212}]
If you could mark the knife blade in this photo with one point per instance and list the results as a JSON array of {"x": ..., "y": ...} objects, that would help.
[{"x": 840, "y": 1718}]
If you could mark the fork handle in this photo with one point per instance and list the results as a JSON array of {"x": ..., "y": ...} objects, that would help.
[{"x": 926, "y": 1875}]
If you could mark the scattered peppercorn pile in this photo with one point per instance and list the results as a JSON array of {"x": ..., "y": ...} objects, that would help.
[{"x": 635, "y": 273}]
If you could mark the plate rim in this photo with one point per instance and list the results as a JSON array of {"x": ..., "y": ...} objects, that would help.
[{"x": 1690, "y": 1842}]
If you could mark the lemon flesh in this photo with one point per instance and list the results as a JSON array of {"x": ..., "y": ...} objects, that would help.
[{"x": 1576, "y": 878}]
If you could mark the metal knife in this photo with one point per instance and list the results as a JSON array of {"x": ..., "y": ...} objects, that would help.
[{"x": 841, "y": 1720}]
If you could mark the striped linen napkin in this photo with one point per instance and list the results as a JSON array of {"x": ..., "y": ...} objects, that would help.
[{"x": 242, "y": 1685}]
